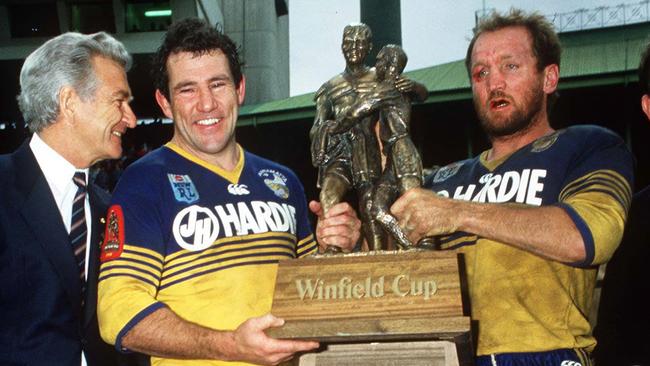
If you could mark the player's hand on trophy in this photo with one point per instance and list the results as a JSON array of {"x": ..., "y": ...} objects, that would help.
[
  {"x": 339, "y": 227},
  {"x": 252, "y": 345},
  {"x": 423, "y": 213}
]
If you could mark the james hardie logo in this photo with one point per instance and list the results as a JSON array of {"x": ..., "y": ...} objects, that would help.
[
  {"x": 238, "y": 189},
  {"x": 195, "y": 228},
  {"x": 276, "y": 182}
]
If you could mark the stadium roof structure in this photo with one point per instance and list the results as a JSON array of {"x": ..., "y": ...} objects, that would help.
[{"x": 591, "y": 58}]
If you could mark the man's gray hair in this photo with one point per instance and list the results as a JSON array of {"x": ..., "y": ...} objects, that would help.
[{"x": 63, "y": 61}]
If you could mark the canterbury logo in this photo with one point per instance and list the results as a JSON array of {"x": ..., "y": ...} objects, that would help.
[
  {"x": 238, "y": 189},
  {"x": 570, "y": 363}
]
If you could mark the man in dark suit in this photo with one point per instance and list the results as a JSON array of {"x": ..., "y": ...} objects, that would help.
[{"x": 75, "y": 99}]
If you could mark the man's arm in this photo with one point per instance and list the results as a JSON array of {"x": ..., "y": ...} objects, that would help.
[
  {"x": 164, "y": 334},
  {"x": 547, "y": 231},
  {"x": 319, "y": 133},
  {"x": 365, "y": 105},
  {"x": 416, "y": 91}
]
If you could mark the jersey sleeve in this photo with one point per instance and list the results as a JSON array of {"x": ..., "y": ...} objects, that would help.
[
  {"x": 306, "y": 243},
  {"x": 597, "y": 192},
  {"x": 132, "y": 256}
]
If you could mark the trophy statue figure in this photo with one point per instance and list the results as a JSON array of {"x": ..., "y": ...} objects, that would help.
[{"x": 345, "y": 146}]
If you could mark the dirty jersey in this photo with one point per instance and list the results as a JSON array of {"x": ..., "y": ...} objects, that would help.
[
  {"x": 522, "y": 302},
  {"x": 185, "y": 234}
]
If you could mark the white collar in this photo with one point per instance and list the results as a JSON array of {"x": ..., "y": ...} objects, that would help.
[{"x": 57, "y": 170}]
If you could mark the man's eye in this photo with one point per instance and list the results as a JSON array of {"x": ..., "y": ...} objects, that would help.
[
  {"x": 512, "y": 66},
  {"x": 481, "y": 74}
]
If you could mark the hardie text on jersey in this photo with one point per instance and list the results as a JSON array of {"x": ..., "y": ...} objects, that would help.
[
  {"x": 197, "y": 228},
  {"x": 513, "y": 186}
]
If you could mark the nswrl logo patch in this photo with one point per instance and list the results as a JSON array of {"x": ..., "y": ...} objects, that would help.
[{"x": 184, "y": 189}]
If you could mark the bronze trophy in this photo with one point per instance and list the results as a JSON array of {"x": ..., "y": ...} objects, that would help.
[
  {"x": 345, "y": 145},
  {"x": 408, "y": 300}
]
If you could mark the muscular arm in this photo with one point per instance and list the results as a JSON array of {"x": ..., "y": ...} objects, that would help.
[
  {"x": 365, "y": 105},
  {"x": 319, "y": 132},
  {"x": 546, "y": 231},
  {"x": 164, "y": 334}
]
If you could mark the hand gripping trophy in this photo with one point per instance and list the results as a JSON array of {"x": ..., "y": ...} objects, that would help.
[{"x": 345, "y": 146}]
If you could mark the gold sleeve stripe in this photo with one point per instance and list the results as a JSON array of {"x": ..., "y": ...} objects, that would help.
[
  {"x": 622, "y": 194},
  {"x": 143, "y": 252},
  {"x": 140, "y": 277},
  {"x": 307, "y": 249},
  {"x": 125, "y": 266},
  {"x": 134, "y": 260},
  {"x": 264, "y": 259},
  {"x": 609, "y": 175},
  {"x": 308, "y": 238},
  {"x": 606, "y": 181},
  {"x": 235, "y": 240},
  {"x": 454, "y": 242},
  {"x": 249, "y": 251}
]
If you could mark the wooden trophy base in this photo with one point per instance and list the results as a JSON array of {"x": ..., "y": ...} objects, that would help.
[
  {"x": 395, "y": 308},
  {"x": 424, "y": 353}
]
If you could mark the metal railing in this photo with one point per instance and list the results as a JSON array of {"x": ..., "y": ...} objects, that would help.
[{"x": 600, "y": 17}]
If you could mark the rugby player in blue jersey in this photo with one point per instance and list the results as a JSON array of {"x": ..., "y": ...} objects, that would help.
[
  {"x": 196, "y": 228},
  {"x": 535, "y": 214}
]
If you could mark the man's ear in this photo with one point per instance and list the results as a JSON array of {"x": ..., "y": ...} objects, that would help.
[
  {"x": 241, "y": 90},
  {"x": 164, "y": 104},
  {"x": 68, "y": 103},
  {"x": 551, "y": 78},
  {"x": 645, "y": 105}
]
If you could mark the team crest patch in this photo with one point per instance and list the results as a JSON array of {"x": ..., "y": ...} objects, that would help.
[
  {"x": 544, "y": 142},
  {"x": 276, "y": 181},
  {"x": 184, "y": 189},
  {"x": 446, "y": 172},
  {"x": 114, "y": 234}
]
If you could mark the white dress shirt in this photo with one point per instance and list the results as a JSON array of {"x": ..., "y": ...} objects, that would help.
[{"x": 58, "y": 173}]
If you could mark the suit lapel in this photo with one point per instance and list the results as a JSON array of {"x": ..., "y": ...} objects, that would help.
[
  {"x": 98, "y": 207},
  {"x": 41, "y": 214}
]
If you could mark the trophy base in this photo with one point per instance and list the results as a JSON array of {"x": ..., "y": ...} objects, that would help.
[{"x": 424, "y": 353}]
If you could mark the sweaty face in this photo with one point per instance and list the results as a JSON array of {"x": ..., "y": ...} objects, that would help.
[
  {"x": 204, "y": 103},
  {"x": 105, "y": 117},
  {"x": 508, "y": 89},
  {"x": 355, "y": 46}
]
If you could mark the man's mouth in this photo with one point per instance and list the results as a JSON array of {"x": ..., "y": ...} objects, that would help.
[
  {"x": 208, "y": 121},
  {"x": 499, "y": 103}
]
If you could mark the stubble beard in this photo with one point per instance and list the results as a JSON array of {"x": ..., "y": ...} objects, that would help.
[{"x": 519, "y": 120}]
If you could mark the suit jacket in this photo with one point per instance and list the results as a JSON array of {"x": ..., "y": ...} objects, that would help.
[{"x": 42, "y": 321}]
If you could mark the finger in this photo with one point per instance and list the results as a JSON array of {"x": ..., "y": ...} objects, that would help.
[
  {"x": 316, "y": 208},
  {"x": 400, "y": 205},
  {"x": 341, "y": 208},
  {"x": 345, "y": 220},
  {"x": 325, "y": 232}
]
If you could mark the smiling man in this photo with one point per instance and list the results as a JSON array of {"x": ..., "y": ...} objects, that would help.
[
  {"x": 536, "y": 213},
  {"x": 196, "y": 227},
  {"x": 75, "y": 99}
]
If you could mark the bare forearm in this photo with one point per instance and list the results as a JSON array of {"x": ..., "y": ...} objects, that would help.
[
  {"x": 546, "y": 231},
  {"x": 165, "y": 334}
]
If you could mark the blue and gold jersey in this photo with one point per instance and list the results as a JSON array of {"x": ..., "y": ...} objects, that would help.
[
  {"x": 522, "y": 302},
  {"x": 204, "y": 242}
]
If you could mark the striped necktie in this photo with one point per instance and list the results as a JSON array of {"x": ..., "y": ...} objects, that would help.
[{"x": 78, "y": 230}]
